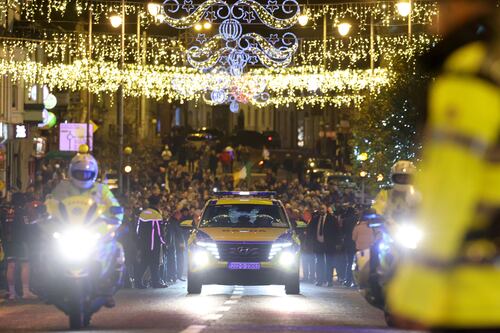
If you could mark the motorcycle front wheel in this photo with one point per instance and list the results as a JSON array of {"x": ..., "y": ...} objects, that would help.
[{"x": 76, "y": 314}]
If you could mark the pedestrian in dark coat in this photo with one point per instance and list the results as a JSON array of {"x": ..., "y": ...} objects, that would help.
[
  {"x": 316, "y": 237},
  {"x": 333, "y": 247}
]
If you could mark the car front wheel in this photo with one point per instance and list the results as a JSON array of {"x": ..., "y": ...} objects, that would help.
[
  {"x": 194, "y": 284},
  {"x": 292, "y": 286}
]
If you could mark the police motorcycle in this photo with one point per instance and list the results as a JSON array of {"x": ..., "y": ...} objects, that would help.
[
  {"x": 83, "y": 264},
  {"x": 374, "y": 268}
]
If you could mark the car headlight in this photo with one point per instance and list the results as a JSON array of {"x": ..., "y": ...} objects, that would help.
[
  {"x": 76, "y": 243},
  {"x": 277, "y": 248},
  {"x": 287, "y": 259},
  {"x": 201, "y": 258},
  {"x": 408, "y": 236},
  {"x": 211, "y": 247}
]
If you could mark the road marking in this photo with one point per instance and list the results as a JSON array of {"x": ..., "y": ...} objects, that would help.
[
  {"x": 213, "y": 316},
  {"x": 236, "y": 296},
  {"x": 194, "y": 329},
  {"x": 231, "y": 302},
  {"x": 223, "y": 308}
]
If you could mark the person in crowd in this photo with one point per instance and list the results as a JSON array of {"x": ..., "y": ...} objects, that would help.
[
  {"x": 18, "y": 246},
  {"x": 362, "y": 235},
  {"x": 150, "y": 240},
  {"x": 176, "y": 244},
  {"x": 213, "y": 162},
  {"x": 449, "y": 283},
  {"x": 333, "y": 247},
  {"x": 349, "y": 219},
  {"x": 316, "y": 234}
]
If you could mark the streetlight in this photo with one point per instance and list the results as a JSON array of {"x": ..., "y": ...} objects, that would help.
[
  {"x": 198, "y": 27},
  {"x": 154, "y": 8},
  {"x": 303, "y": 18},
  {"x": 344, "y": 28},
  {"x": 404, "y": 8},
  {"x": 116, "y": 21},
  {"x": 207, "y": 25}
]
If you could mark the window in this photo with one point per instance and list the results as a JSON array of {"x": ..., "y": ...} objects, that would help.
[{"x": 244, "y": 216}]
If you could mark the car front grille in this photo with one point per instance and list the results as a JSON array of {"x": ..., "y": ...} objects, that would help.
[{"x": 244, "y": 252}]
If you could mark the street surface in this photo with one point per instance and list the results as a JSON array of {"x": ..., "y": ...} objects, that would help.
[{"x": 218, "y": 309}]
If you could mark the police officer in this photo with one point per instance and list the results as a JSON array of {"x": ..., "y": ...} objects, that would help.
[
  {"x": 451, "y": 281},
  {"x": 150, "y": 240},
  {"x": 399, "y": 201},
  {"x": 82, "y": 174}
]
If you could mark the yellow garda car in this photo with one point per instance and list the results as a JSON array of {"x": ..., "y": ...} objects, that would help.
[{"x": 243, "y": 238}]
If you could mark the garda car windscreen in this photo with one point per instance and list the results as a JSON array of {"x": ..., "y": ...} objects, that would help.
[{"x": 244, "y": 216}]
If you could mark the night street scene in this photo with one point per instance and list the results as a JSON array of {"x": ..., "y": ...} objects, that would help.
[{"x": 211, "y": 166}]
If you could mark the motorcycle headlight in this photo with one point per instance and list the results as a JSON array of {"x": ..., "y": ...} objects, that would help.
[
  {"x": 76, "y": 243},
  {"x": 408, "y": 236}
]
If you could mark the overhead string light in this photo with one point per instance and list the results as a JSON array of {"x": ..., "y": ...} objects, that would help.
[
  {"x": 303, "y": 85},
  {"x": 385, "y": 11}
]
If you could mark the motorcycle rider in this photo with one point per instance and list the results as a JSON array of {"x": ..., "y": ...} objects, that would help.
[
  {"x": 82, "y": 174},
  {"x": 401, "y": 199},
  {"x": 449, "y": 283}
]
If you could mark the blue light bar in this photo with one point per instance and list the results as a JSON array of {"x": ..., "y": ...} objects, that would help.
[{"x": 262, "y": 194}]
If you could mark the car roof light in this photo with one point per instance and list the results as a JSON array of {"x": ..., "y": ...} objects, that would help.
[{"x": 262, "y": 194}]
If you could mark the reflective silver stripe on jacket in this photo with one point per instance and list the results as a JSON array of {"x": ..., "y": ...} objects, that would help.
[{"x": 476, "y": 146}]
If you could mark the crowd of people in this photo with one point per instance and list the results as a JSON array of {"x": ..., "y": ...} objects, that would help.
[{"x": 177, "y": 190}]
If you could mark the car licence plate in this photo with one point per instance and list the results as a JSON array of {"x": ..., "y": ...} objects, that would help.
[{"x": 243, "y": 265}]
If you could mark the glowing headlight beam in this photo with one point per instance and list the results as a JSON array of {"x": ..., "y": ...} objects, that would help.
[
  {"x": 76, "y": 243},
  {"x": 408, "y": 236}
]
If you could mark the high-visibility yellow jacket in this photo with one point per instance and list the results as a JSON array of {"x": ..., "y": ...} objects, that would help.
[{"x": 450, "y": 280}]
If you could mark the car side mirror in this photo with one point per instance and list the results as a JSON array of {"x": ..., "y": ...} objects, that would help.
[{"x": 187, "y": 224}]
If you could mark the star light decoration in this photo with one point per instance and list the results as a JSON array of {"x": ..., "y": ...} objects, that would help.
[
  {"x": 231, "y": 42},
  {"x": 234, "y": 48}
]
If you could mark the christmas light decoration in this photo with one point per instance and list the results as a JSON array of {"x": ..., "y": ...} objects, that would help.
[
  {"x": 285, "y": 87},
  {"x": 231, "y": 45},
  {"x": 384, "y": 11}
]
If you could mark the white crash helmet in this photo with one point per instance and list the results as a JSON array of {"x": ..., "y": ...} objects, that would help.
[
  {"x": 83, "y": 169},
  {"x": 402, "y": 173}
]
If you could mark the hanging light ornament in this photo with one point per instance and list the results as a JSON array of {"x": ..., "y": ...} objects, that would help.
[
  {"x": 234, "y": 107},
  {"x": 218, "y": 96},
  {"x": 231, "y": 44}
]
